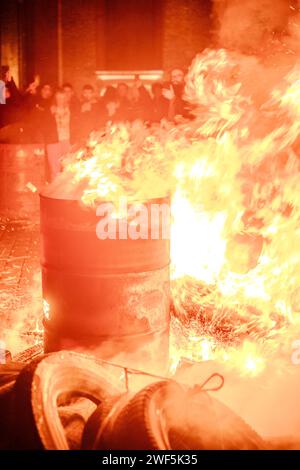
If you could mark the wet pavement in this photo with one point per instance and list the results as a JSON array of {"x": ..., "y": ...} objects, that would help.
[{"x": 21, "y": 178}]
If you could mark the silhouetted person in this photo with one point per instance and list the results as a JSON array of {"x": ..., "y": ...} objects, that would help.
[
  {"x": 139, "y": 102},
  {"x": 45, "y": 96},
  {"x": 123, "y": 102},
  {"x": 71, "y": 97},
  {"x": 110, "y": 94},
  {"x": 31, "y": 95},
  {"x": 11, "y": 113},
  {"x": 13, "y": 94},
  {"x": 174, "y": 92},
  {"x": 159, "y": 104},
  {"x": 34, "y": 122},
  {"x": 2, "y": 92},
  {"x": 57, "y": 134},
  {"x": 108, "y": 107},
  {"x": 87, "y": 116}
]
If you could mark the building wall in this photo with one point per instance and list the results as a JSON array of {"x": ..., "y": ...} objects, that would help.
[
  {"x": 96, "y": 34},
  {"x": 29, "y": 39},
  {"x": 100, "y": 34},
  {"x": 43, "y": 43},
  {"x": 257, "y": 21},
  {"x": 133, "y": 34},
  {"x": 9, "y": 36},
  {"x": 186, "y": 31},
  {"x": 80, "y": 39}
]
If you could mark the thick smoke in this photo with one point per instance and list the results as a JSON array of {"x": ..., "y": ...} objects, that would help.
[
  {"x": 247, "y": 25},
  {"x": 264, "y": 35}
]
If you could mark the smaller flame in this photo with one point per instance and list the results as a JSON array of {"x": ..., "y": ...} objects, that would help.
[{"x": 46, "y": 309}]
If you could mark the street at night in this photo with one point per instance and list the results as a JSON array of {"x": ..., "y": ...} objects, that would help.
[{"x": 149, "y": 229}]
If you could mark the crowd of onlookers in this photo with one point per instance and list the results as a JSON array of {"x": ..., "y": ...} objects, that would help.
[{"x": 58, "y": 118}]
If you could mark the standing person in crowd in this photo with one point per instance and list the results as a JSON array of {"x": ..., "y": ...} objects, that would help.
[
  {"x": 87, "y": 115},
  {"x": 139, "y": 101},
  {"x": 2, "y": 101},
  {"x": 13, "y": 93},
  {"x": 159, "y": 104},
  {"x": 123, "y": 102},
  {"x": 110, "y": 94},
  {"x": 108, "y": 107},
  {"x": 31, "y": 95},
  {"x": 30, "y": 123},
  {"x": 11, "y": 113},
  {"x": 2, "y": 92},
  {"x": 74, "y": 105},
  {"x": 115, "y": 107},
  {"x": 57, "y": 131},
  {"x": 36, "y": 115},
  {"x": 174, "y": 93},
  {"x": 71, "y": 97},
  {"x": 45, "y": 96}
]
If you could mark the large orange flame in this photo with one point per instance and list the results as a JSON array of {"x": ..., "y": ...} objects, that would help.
[{"x": 233, "y": 173}]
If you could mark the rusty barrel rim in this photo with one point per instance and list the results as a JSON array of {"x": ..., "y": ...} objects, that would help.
[{"x": 68, "y": 227}]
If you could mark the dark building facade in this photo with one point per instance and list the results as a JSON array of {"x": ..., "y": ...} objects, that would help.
[{"x": 69, "y": 40}]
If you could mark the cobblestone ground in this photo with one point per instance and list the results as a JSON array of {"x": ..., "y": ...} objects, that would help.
[{"x": 20, "y": 283}]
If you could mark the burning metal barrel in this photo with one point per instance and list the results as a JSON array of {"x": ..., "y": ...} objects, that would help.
[{"x": 108, "y": 296}]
